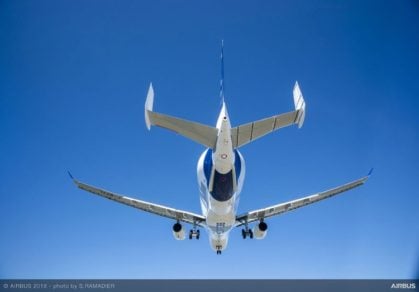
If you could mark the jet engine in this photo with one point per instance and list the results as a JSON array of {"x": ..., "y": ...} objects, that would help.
[
  {"x": 259, "y": 231},
  {"x": 178, "y": 231}
]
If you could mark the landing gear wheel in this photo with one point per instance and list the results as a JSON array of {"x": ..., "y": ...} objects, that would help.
[
  {"x": 218, "y": 251},
  {"x": 194, "y": 233},
  {"x": 247, "y": 232}
]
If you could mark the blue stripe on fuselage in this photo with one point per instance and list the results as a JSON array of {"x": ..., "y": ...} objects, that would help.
[
  {"x": 237, "y": 165},
  {"x": 208, "y": 165}
]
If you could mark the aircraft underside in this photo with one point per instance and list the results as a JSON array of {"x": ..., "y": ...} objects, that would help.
[{"x": 221, "y": 173}]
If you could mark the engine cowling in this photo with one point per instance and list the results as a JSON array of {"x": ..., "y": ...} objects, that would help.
[
  {"x": 259, "y": 231},
  {"x": 178, "y": 231}
]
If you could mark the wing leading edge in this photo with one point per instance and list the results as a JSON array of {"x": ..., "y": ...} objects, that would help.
[
  {"x": 164, "y": 211},
  {"x": 294, "y": 204}
]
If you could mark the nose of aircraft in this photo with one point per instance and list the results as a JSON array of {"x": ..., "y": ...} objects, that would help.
[{"x": 218, "y": 243}]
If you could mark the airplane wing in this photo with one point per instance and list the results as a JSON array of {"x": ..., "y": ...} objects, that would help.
[
  {"x": 247, "y": 133},
  {"x": 164, "y": 211},
  {"x": 292, "y": 205}
]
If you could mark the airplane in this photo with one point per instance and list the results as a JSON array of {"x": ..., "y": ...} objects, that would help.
[{"x": 221, "y": 172}]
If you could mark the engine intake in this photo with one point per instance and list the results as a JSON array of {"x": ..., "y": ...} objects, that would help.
[
  {"x": 259, "y": 231},
  {"x": 178, "y": 231}
]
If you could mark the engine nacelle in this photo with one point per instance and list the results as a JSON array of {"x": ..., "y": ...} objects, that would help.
[
  {"x": 178, "y": 231},
  {"x": 259, "y": 231}
]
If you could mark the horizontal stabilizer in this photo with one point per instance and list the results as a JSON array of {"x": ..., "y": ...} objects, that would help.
[
  {"x": 197, "y": 132},
  {"x": 247, "y": 133},
  {"x": 200, "y": 133}
]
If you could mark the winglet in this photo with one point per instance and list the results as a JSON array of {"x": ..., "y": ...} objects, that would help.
[
  {"x": 300, "y": 104},
  {"x": 371, "y": 170},
  {"x": 148, "y": 107},
  {"x": 72, "y": 178},
  {"x": 75, "y": 181}
]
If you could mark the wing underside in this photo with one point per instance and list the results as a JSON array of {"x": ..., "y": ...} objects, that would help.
[
  {"x": 160, "y": 210},
  {"x": 298, "y": 203}
]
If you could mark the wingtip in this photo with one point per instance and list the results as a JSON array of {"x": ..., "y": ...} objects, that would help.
[{"x": 72, "y": 177}]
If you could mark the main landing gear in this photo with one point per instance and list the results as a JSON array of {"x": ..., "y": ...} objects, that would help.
[
  {"x": 247, "y": 232},
  {"x": 194, "y": 233},
  {"x": 218, "y": 247}
]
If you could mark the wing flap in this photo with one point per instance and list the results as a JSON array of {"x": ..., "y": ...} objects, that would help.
[{"x": 161, "y": 210}]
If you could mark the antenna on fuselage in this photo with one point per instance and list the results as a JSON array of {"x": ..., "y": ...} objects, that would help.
[{"x": 222, "y": 73}]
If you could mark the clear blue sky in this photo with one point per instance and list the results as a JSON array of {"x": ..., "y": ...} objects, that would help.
[{"x": 73, "y": 80}]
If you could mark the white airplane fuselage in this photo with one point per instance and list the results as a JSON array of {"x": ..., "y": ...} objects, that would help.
[{"x": 221, "y": 174}]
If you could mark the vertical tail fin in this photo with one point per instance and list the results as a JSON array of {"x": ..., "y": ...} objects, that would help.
[
  {"x": 300, "y": 105},
  {"x": 148, "y": 107},
  {"x": 222, "y": 72}
]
